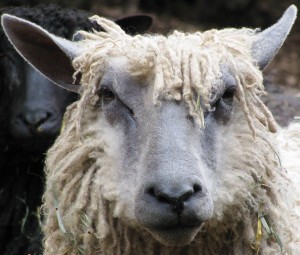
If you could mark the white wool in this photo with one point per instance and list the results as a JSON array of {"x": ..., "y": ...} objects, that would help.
[{"x": 289, "y": 148}]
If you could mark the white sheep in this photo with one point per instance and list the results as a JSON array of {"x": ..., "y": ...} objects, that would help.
[{"x": 170, "y": 149}]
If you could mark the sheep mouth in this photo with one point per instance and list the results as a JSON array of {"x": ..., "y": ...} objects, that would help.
[
  {"x": 177, "y": 227},
  {"x": 178, "y": 235}
]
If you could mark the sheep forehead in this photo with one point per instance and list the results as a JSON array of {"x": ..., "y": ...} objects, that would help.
[
  {"x": 165, "y": 56},
  {"x": 119, "y": 76},
  {"x": 178, "y": 66},
  {"x": 121, "y": 66}
]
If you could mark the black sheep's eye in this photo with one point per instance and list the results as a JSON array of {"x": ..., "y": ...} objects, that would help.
[{"x": 107, "y": 95}]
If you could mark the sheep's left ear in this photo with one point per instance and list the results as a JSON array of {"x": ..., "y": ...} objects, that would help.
[
  {"x": 49, "y": 54},
  {"x": 269, "y": 41}
]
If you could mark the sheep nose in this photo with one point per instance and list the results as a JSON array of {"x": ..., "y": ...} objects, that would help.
[
  {"x": 34, "y": 119},
  {"x": 173, "y": 204},
  {"x": 174, "y": 197}
]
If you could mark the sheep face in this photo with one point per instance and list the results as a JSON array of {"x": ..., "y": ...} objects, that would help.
[
  {"x": 37, "y": 106},
  {"x": 167, "y": 163},
  {"x": 37, "y": 113}
]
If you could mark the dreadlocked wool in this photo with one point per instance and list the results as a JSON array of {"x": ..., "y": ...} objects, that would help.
[
  {"x": 181, "y": 65},
  {"x": 82, "y": 211}
]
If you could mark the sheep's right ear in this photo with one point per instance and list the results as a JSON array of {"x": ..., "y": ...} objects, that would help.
[{"x": 49, "y": 54}]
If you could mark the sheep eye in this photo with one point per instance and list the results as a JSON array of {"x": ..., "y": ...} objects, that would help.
[
  {"x": 107, "y": 95},
  {"x": 229, "y": 94}
]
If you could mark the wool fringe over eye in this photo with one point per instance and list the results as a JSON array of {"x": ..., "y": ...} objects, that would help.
[{"x": 180, "y": 66}]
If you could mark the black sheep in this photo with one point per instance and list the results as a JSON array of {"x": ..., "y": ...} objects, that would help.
[{"x": 31, "y": 110}]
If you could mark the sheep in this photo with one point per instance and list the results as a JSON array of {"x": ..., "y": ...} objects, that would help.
[
  {"x": 31, "y": 114},
  {"x": 169, "y": 149}
]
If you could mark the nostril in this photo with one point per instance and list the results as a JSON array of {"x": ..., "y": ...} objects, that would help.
[
  {"x": 48, "y": 115},
  {"x": 151, "y": 191},
  {"x": 165, "y": 199},
  {"x": 197, "y": 188}
]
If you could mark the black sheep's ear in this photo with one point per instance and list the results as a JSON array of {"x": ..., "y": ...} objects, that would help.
[
  {"x": 135, "y": 24},
  {"x": 49, "y": 54},
  {"x": 268, "y": 42}
]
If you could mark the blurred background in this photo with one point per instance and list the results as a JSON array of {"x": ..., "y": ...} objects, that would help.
[{"x": 282, "y": 77}]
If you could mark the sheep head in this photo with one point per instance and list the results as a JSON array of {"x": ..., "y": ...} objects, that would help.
[
  {"x": 37, "y": 106},
  {"x": 157, "y": 115}
]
